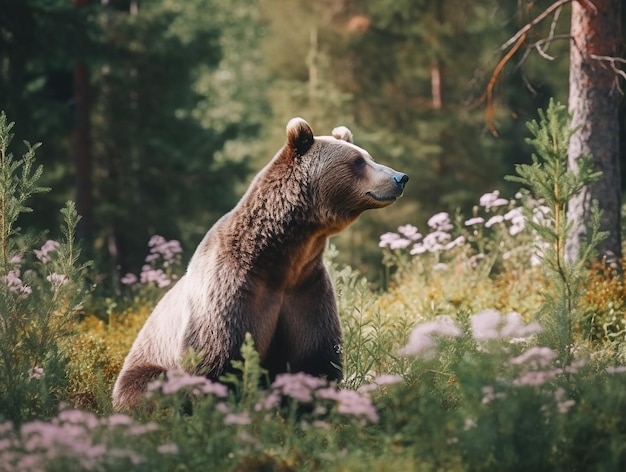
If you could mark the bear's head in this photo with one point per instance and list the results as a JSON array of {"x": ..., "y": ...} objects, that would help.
[{"x": 342, "y": 179}]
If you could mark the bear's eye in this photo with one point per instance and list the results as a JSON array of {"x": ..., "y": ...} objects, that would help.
[{"x": 359, "y": 162}]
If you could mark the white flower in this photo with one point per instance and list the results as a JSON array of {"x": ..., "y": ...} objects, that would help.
[
  {"x": 494, "y": 220},
  {"x": 409, "y": 231},
  {"x": 474, "y": 221},
  {"x": 440, "y": 221},
  {"x": 490, "y": 200}
]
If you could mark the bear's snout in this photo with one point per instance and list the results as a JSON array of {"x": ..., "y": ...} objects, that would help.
[{"x": 400, "y": 179}]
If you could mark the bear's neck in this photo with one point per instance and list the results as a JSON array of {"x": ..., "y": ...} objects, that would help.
[{"x": 278, "y": 239}]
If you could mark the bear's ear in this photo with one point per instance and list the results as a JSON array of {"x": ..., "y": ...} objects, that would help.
[
  {"x": 343, "y": 133},
  {"x": 299, "y": 135}
]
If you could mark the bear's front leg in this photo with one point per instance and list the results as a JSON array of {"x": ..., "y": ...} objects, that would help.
[{"x": 308, "y": 334}]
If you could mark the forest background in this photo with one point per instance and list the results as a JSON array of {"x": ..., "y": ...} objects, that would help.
[{"x": 155, "y": 115}]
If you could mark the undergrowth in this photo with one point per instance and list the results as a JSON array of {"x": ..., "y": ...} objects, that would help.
[{"x": 488, "y": 351}]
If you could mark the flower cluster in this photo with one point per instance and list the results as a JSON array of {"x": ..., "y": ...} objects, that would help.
[
  {"x": 485, "y": 325},
  {"x": 491, "y": 324},
  {"x": 15, "y": 284},
  {"x": 307, "y": 389},
  {"x": 45, "y": 253},
  {"x": 164, "y": 253},
  {"x": 494, "y": 214},
  {"x": 70, "y": 436},
  {"x": 422, "y": 339},
  {"x": 56, "y": 280},
  {"x": 179, "y": 380},
  {"x": 160, "y": 248}
]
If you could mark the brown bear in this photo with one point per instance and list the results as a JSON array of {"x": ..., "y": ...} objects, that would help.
[{"x": 260, "y": 268}]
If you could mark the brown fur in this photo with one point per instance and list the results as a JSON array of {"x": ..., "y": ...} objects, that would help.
[{"x": 260, "y": 268}]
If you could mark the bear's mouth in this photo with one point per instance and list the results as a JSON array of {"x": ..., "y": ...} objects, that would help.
[{"x": 381, "y": 198}]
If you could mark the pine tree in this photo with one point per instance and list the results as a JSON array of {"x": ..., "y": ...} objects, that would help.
[{"x": 552, "y": 182}]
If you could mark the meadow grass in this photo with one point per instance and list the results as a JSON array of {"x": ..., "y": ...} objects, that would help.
[{"x": 478, "y": 356}]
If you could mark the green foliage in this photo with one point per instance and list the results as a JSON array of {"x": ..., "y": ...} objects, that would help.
[
  {"x": 249, "y": 373},
  {"x": 18, "y": 182},
  {"x": 436, "y": 378},
  {"x": 550, "y": 180},
  {"x": 39, "y": 296}
]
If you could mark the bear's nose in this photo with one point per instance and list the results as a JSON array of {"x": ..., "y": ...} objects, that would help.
[{"x": 400, "y": 179}]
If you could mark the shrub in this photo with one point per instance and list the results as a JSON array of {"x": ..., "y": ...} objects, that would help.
[{"x": 40, "y": 293}]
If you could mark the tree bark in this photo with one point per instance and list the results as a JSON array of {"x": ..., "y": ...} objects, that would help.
[
  {"x": 82, "y": 149},
  {"x": 594, "y": 99}
]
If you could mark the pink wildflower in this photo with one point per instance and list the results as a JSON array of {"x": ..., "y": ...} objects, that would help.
[
  {"x": 17, "y": 259},
  {"x": 129, "y": 279},
  {"x": 156, "y": 240},
  {"x": 421, "y": 339},
  {"x": 535, "y": 357},
  {"x": 328, "y": 393},
  {"x": 35, "y": 373},
  {"x": 79, "y": 417},
  {"x": 388, "y": 379},
  {"x": 562, "y": 404},
  {"x": 169, "y": 448},
  {"x": 240, "y": 419},
  {"x": 535, "y": 378},
  {"x": 514, "y": 326},
  {"x": 15, "y": 284},
  {"x": 134, "y": 457},
  {"x": 489, "y": 395},
  {"x": 385, "y": 379},
  {"x": 141, "y": 429},
  {"x": 469, "y": 424},
  {"x": 169, "y": 250},
  {"x": 485, "y": 325},
  {"x": 620, "y": 369},
  {"x": 43, "y": 254},
  {"x": 57, "y": 280},
  {"x": 298, "y": 386},
  {"x": 178, "y": 379},
  {"x": 118, "y": 420},
  {"x": 149, "y": 275},
  {"x": 271, "y": 401},
  {"x": 491, "y": 324},
  {"x": 351, "y": 403}
]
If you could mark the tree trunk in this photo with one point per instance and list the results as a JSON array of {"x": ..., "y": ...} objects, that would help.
[
  {"x": 82, "y": 149},
  {"x": 594, "y": 100}
]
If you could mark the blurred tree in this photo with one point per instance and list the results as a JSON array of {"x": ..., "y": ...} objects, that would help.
[
  {"x": 83, "y": 159},
  {"x": 405, "y": 76},
  {"x": 177, "y": 100},
  {"x": 174, "y": 90},
  {"x": 39, "y": 44}
]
